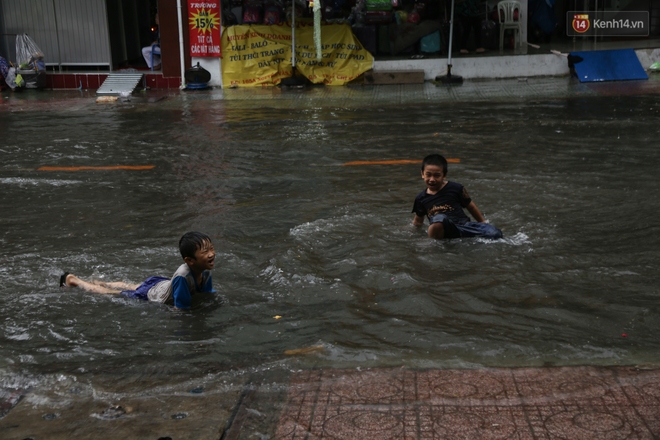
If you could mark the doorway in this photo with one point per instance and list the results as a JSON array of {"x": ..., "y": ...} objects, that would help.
[{"x": 132, "y": 26}]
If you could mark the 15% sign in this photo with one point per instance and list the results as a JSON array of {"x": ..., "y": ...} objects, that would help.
[{"x": 204, "y": 23}]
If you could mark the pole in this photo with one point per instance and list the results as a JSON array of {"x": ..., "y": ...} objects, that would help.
[
  {"x": 451, "y": 34},
  {"x": 57, "y": 35},
  {"x": 181, "y": 60},
  {"x": 293, "y": 80},
  {"x": 293, "y": 36},
  {"x": 449, "y": 78}
]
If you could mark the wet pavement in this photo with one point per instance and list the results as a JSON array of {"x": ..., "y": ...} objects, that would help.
[
  {"x": 143, "y": 409},
  {"x": 526, "y": 403},
  {"x": 389, "y": 403},
  {"x": 431, "y": 92},
  {"x": 350, "y": 96},
  {"x": 571, "y": 402}
]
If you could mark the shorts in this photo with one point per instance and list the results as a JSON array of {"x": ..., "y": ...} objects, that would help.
[
  {"x": 467, "y": 229},
  {"x": 142, "y": 292}
]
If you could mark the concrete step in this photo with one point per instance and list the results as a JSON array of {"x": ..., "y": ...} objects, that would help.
[{"x": 394, "y": 77}]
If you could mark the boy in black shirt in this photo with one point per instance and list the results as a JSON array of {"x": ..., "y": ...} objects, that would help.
[{"x": 443, "y": 201}]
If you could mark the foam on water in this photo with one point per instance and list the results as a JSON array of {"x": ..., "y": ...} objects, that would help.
[
  {"x": 23, "y": 182},
  {"x": 517, "y": 239},
  {"x": 324, "y": 225}
]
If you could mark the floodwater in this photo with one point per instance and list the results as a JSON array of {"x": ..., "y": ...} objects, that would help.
[{"x": 314, "y": 253}]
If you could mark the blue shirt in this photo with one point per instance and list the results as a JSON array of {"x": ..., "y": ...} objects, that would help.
[{"x": 181, "y": 288}]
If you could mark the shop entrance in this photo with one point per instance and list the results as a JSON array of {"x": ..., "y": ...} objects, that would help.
[{"x": 131, "y": 26}]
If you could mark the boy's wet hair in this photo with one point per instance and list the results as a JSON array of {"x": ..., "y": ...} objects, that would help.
[
  {"x": 191, "y": 241},
  {"x": 437, "y": 160}
]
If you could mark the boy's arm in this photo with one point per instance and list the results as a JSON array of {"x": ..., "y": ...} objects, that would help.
[
  {"x": 418, "y": 208},
  {"x": 478, "y": 216},
  {"x": 208, "y": 287},
  {"x": 418, "y": 221}
]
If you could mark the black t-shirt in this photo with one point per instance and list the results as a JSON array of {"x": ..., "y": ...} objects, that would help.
[{"x": 450, "y": 200}]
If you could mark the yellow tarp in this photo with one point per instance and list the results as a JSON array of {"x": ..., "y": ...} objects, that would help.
[{"x": 260, "y": 55}]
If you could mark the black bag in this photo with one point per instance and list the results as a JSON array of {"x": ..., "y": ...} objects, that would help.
[
  {"x": 444, "y": 36},
  {"x": 490, "y": 37},
  {"x": 228, "y": 18}
]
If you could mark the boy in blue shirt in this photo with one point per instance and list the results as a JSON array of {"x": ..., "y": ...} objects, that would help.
[
  {"x": 443, "y": 201},
  {"x": 191, "y": 278}
]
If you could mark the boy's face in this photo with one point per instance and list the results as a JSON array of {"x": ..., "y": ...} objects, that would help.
[
  {"x": 204, "y": 258},
  {"x": 433, "y": 177}
]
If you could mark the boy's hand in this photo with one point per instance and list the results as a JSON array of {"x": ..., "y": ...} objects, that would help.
[
  {"x": 418, "y": 221},
  {"x": 478, "y": 216}
]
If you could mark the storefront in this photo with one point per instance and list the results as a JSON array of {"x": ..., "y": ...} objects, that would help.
[
  {"x": 342, "y": 42},
  {"x": 95, "y": 37}
]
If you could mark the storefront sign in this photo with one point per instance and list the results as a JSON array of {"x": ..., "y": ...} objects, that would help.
[
  {"x": 204, "y": 24},
  {"x": 260, "y": 55}
]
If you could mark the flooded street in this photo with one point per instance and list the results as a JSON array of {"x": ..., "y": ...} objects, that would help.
[{"x": 311, "y": 252}]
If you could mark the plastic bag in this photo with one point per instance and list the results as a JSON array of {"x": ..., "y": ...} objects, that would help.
[
  {"x": 273, "y": 14},
  {"x": 28, "y": 54},
  {"x": 413, "y": 17},
  {"x": 378, "y": 5},
  {"x": 7, "y": 75},
  {"x": 430, "y": 43},
  {"x": 253, "y": 12}
]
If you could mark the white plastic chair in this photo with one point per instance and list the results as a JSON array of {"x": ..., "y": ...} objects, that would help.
[
  {"x": 155, "y": 50},
  {"x": 506, "y": 13}
]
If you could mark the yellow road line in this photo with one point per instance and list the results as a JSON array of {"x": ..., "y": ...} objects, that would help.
[
  {"x": 392, "y": 162},
  {"x": 103, "y": 168}
]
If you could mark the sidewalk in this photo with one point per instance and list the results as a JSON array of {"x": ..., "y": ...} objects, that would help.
[
  {"x": 390, "y": 403},
  {"x": 531, "y": 63},
  {"x": 527, "y": 403},
  {"x": 518, "y": 89}
]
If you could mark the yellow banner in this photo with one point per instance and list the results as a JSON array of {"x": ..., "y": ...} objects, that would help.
[{"x": 260, "y": 55}]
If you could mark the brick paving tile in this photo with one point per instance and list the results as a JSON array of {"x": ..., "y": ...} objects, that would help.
[{"x": 526, "y": 403}]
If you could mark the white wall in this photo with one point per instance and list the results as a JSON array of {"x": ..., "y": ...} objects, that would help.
[
  {"x": 498, "y": 66},
  {"x": 213, "y": 65}
]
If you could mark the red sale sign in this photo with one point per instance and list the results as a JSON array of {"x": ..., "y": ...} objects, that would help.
[{"x": 204, "y": 25}]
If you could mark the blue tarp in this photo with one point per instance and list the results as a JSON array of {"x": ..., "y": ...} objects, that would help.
[{"x": 608, "y": 65}]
